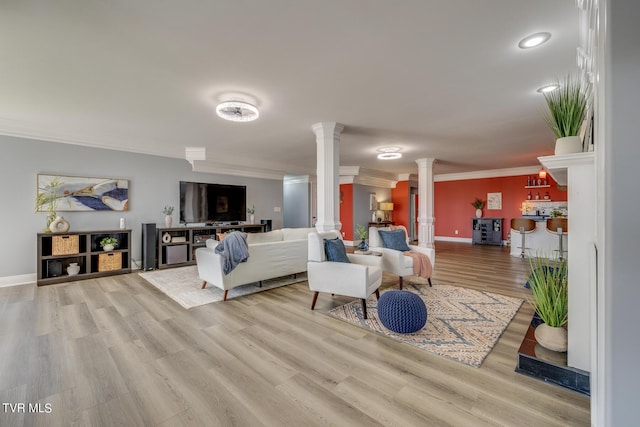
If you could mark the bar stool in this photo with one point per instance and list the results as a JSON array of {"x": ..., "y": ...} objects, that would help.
[
  {"x": 523, "y": 226},
  {"x": 559, "y": 226}
]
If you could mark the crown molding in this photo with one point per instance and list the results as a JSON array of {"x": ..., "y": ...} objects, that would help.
[
  {"x": 61, "y": 138},
  {"x": 237, "y": 170},
  {"x": 491, "y": 173},
  {"x": 297, "y": 179},
  {"x": 374, "y": 178},
  {"x": 347, "y": 179}
]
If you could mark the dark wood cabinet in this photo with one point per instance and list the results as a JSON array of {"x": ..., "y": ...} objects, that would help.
[
  {"x": 487, "y": 231},
  {"x": 57, "y": 251},
  {"x": 381, "y": 224},
  {"x": 176, "y": 246}
]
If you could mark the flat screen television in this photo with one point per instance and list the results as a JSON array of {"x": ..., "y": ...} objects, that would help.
[{"x": 202, "y": 202}]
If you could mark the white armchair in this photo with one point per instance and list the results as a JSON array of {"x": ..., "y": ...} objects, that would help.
[
  {"x": 395, "y": 262},
  {"x": 358, "y": 279}
]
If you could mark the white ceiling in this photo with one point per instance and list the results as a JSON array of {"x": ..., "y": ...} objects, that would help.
[{"x": 442, "y": 79}]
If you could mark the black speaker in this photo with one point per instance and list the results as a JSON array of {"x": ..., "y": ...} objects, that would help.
[
  {"x": 267, "y": 224},
  {"x": 54, "y": 268},
  {"x": 148, "y": 246}
]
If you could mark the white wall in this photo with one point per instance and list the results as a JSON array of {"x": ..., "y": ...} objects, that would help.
[
  {"x": 153, "y": 183},
  {"x": 618, "y": 155}
]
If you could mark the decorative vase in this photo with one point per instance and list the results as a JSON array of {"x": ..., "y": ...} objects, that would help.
[
  {"x": 363, "y": 245},
  {"x": 568, "y": 145},
  {"x": 108, "y": 248},
  {"x": 59, "y": 225},
  {"x": 551, "y": 337},
  {"x": 73, "y": 269},
  {"x": 252, "y": 218},
  {"x": 168, "y": 220},
  {"x": 478, "y": 213}
]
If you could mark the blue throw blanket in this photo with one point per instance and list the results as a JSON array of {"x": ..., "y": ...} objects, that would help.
[{"x": 233, "y": 249}]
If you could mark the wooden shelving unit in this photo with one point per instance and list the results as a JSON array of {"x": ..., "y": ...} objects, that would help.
[
  {"x": 83, "y": 249},
  {"x": 176, "y": 246}
]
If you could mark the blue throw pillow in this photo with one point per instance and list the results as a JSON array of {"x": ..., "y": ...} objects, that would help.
[
  {"x": 394, "y": 240},
  {"x": 335, "y": 251}
]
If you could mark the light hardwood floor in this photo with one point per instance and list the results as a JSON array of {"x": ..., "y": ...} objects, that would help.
[{"x": 116, "y": 351}]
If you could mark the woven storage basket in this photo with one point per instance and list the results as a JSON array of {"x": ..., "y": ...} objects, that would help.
[
  {"x": 65, "y": 245},
  {"x": 110, "y": 261}
]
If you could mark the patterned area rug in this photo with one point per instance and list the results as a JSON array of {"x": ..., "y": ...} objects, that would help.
[
  {"x": 183, "y": 285},
  {"x": 462, "y": 324}
]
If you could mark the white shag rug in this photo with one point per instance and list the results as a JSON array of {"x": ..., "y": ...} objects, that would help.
[{"x": 183, "y": 285}]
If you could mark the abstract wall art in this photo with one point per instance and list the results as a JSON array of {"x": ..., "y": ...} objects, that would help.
[{"x": 75, "y": 193}]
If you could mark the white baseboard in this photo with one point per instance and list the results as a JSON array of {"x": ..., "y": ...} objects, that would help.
[
  {"x": 22, "y": 279},
  {"x": 453, "y": 239}
]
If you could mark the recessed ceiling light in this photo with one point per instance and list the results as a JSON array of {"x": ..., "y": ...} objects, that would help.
[
  {"x": 237, "y": 111},
  {"x": 548, "y": 88},
  {"x": 534, "y": 40},
  {"x": 389, "y": 156}
]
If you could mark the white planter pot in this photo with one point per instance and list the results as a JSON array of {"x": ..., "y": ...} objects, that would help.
[
  {"x": 73, "y": 269},
  {"x": 252, "y": 219},
  {"x": 478, "y": 213},
  {"x": 168, "y": 221},
  {"x": 550, "y": 337},
  {"x": 568, "y": 145},
  {"x": 108, "y": 248}
]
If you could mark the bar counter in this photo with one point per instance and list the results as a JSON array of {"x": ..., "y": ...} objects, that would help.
[{"x": 540, "y": 241}]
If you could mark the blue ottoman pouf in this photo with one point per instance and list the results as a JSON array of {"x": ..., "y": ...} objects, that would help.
[{"x": 402, "y": 311}]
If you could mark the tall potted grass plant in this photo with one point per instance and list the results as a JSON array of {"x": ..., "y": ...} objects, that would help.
[
  {"x": 550, "y": 298},
  {"x": 567, "y": 107}
]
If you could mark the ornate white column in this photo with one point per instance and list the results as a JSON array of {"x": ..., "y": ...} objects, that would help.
[
  {"x": 425, "y": 202},
  {"x": 328, "y": 172}
]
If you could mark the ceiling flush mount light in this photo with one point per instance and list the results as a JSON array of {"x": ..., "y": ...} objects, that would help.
[
  {"x": 534, "y": 40},
  {"x": 548, "y": 88},
  {"x": 237, "y": 111},
  {"x": 389, "y": 156},
  {"x": 389, "y": 153}
]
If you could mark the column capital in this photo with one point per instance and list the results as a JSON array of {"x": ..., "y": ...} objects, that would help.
[
  {"x": 426, "y": 161},
  {"x": 327, "y": 128}
]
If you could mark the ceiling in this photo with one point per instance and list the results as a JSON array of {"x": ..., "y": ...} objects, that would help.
[{"x": 439, "y": 79}]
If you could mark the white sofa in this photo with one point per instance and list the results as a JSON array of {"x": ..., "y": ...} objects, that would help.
[
  {"x": 272, "y": 254},
  {"x": 393, "y": 261}
]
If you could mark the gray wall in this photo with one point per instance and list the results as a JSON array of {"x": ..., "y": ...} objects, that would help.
[
  {"x": 621, "y": 206},
  {"x": 153, "y": 183},
  {"x": 297, "y": 204},
  {"x": 361, "y": 212}
]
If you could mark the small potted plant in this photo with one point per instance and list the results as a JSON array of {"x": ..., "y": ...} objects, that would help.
[
  {"x": 550, "y": 298},
  {"x": 251, "y": 211},
  {"x": 478, "y": 204},
  {"x": 555, "y": 213},
  {"x": 168, "y": 219},
  {"x": 108, "y": 243},
  {"x": 361, "y": 232},
  {"x": 567, "y": 109}
]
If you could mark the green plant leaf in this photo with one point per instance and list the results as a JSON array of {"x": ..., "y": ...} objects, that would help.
[
  {"x": 549, "y": 289},
  {"x": 567, "y": 107}
]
